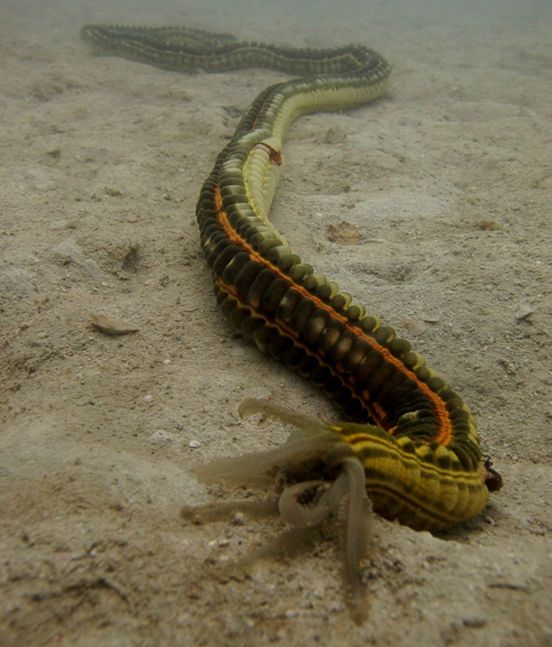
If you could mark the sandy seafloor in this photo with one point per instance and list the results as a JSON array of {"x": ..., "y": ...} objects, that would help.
[{"x": 448, "y": 182}]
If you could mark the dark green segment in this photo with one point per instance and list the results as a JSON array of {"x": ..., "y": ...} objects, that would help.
[{"x": 185, "y": 49}]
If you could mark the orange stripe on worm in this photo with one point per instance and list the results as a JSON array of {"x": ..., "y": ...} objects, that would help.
[{"x": 444, "y": 435}]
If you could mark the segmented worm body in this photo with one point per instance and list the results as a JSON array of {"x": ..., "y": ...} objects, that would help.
[{"x": 414, "y": 436}]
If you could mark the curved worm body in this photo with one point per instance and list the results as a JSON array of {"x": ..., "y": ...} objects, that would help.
[{"x": 415, "y": 437}]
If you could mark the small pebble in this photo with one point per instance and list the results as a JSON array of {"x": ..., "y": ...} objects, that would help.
[
  {"x": 148, "y": 398},
  {"x": 161, "y": 437},
  {"x": 194, "y": 444},
  {"x": 336, "y": 606},
  {"x": 111, "y": 326},
  {"x": 112, "y": 191},
  {"x": 238, "y": 519},
  {"x": 524, "y": 311},
  {"x": 475, "y": 622}
]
